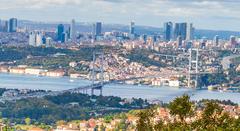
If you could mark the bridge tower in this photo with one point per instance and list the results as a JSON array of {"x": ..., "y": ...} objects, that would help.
[
  {"x": 193, "y": 71},
  {"x": 99, "y": 85}
]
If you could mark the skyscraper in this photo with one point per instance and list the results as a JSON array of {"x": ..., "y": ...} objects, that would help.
[
  {"x": 190, "y": 31},
  {"x": 36, "y": 39},
  {"x": 216, "y": 40},
  {"x": 63, "y": 37},
  {"x": 132, "y": 28},
  {"x": 98, "y": 29},
  {"x": 168, "y": 28},
  {"x": 48, "y": 41},
  {"x": 60, "y": 31},
  {"x": 73, "y": 30},
  {"x": 179, "y": 41},
  {"x": 12, "y": 27},
  {"x": 39, "y": 39},
  {"x": 180, "y": 30},
  {"x": 32, "y": 39},
  {"x": 1, "y": 26},
  {"x": 5, "y": 26},
  {"x": 233, "y": 41}
]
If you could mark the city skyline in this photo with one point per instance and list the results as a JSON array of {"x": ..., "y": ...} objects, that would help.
[{"x": 150, "y": 13}]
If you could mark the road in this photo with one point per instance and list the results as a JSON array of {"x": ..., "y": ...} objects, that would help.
[{"x": 227, "y": 61}]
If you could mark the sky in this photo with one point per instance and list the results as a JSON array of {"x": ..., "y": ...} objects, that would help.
[{"x": 205, "y": 14}]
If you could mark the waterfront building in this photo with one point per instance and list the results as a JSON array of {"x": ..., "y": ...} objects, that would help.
[
  {"x": 34, "y": 71},
  {"x": 174, "y": 83},
  {"x": 56, "y": 73},
  {"x": 17, "y": 70}
]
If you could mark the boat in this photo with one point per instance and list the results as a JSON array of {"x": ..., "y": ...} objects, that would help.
[{"x": 212, "y": 87}]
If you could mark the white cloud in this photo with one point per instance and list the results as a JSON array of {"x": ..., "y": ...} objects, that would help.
[{"x": 201, "y": 11}]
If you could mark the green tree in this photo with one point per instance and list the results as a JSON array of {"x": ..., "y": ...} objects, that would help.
[
  {"x": 213, "y": 118},
  {"x": 122, "y": 126},
  {"x": 181, "y": 107},
  {"x": 145, "y": 122},
  {"x": 27, "y": 121},
  {"x": 60, "y": 123}
]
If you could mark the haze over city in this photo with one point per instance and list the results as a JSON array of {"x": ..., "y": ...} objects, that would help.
[
  {"x": 119, "y": 65},
  {"x": 205, "y": 14}
]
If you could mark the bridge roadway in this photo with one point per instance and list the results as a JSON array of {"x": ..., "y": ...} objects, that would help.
[
  {"x": 97, "y": 86},
  {"x": 172, "y": 56},
  {"x": 100, "y": 85}
]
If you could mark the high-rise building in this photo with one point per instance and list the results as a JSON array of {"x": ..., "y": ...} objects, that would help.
[
  {"x": 5, "y": 26},
  {"x": 48, "y": 41},
  {"x": 36, "y": 39},
  {"x": 180, "y": 30},
  {"x": 32, "y": 39},
  {"x": 66, "y": 36},
  {"x": 132, "y": 28},
  {"x": 168, "y": 28},
  {"x": 73, "y": 30},
  {"x": 216, "y": 40},
  {"x": 60, "y": 31},
  {"x": 12, "y": 27},
  {"x": 1, "y": 26},
  {"x": 179, "y": 41},
  {"x": 190, "y": 31},
  {"x": 233, "y": 41},
  {"x": 98, "y": 29},
  {"x": 63, "y": 37},
  {"x": 39, "y": 39}
]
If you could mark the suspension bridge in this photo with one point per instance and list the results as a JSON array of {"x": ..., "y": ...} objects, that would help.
[{"x": 192, "y": 74}]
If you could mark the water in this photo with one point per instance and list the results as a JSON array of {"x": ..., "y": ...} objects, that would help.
[{"x": 165, "y": 94}]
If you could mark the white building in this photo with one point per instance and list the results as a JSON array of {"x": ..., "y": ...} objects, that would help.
[
  {"x": 36, "y": 39},
  {"x": 39, "y": 39},
  {"x": 48, "y": 41},
  {"x": 73, "y": 31},
  {"x": 190, "y": 32},
  {"x": 33, "y": 71},
  {"x": 174, "y": 83},
  {"x": 32, "y": 39}
]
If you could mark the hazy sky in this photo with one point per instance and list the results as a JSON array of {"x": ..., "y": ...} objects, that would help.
[{"x": 205, "y": 14}]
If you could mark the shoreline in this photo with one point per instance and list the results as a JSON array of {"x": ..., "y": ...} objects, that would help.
[
  {"x": 165, "y": 94},
  {"x": 127, "y": 84}
]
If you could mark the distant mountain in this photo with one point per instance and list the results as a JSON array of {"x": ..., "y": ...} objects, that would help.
[
  {"x": 87, "y": 27},
  {"x": 210, "y": 34}
]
